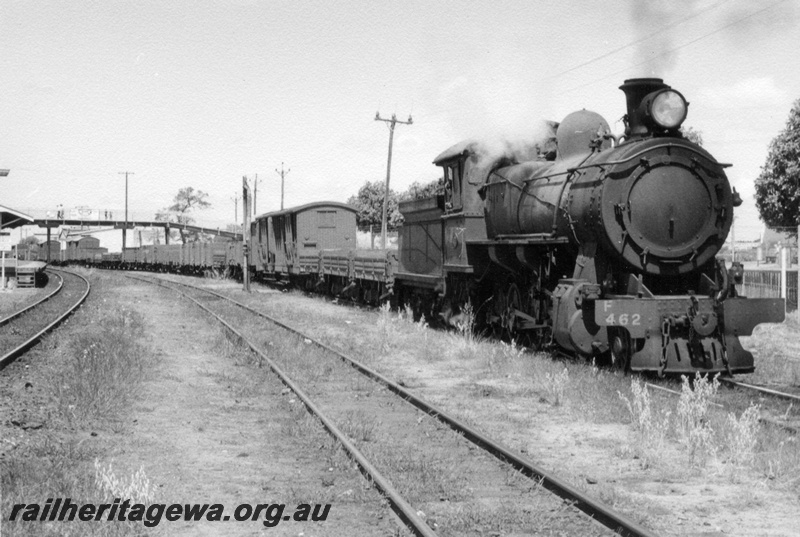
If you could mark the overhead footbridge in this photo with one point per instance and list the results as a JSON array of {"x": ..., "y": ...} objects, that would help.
[{"x": 50, "y": 223}]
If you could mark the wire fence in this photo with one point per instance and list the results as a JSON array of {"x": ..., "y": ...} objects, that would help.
[{"x": 767, "y": 284}]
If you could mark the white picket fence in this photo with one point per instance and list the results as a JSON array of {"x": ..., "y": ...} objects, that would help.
[{"x": 767, "y": 284}]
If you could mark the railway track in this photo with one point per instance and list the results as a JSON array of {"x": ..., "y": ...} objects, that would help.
[
  {"x": 763, "y": 390},
  {"x": 596, "y": 512},
  {"x": 23, "y": 329},
  {"x": 771, "y": 415}
]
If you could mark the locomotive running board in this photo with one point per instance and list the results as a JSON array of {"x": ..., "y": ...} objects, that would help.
[
  {"x": 422, "y": 279},
  {"x": 520, "y": 240}
]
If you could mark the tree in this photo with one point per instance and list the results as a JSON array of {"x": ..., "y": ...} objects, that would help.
[
  {"x": 28, "y": 241},
  {"x": 369, "y": 204},
  {"x": 418, "y": 190},
  {"x": 185, "y": 201},
  {"x": 692, "y": 135},
  {"x": 778, "y": 186}
]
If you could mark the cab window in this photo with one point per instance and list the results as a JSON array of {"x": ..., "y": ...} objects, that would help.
[{"x": 453, "y": 180}]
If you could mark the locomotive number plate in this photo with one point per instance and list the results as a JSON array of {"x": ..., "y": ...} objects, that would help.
[{"x": 635, "y": 315}]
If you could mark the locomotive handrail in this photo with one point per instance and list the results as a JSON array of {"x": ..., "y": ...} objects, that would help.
[
  {"x": 628, "y": 159},
  {"x": 570, "y": 171}
]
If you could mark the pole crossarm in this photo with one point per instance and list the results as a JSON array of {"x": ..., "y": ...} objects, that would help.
[{"x": 283, "y": 175}]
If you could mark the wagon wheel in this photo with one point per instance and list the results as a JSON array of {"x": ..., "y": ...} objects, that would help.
[{"x": 513, "y": 302}]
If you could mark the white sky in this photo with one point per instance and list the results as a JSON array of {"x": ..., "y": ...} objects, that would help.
[{"x": 200, "y": 93}]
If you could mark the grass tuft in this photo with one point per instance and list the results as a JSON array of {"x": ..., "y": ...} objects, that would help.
[
  {"x": 137, "y": 488},
  {"x": 556, "y": 385},
  {"x": 105, "y": 364},
  {"x": 741, "y": 439},
  {"x": 651, "y": 426},
  {"x": 387, "y": 331},
  {"x": 695, "y": 429}
]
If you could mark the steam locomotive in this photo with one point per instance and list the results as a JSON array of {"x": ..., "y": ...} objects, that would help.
[{"x": 603, "y": 245}]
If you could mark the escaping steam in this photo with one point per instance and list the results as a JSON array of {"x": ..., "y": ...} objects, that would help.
[
  {"x": 658, "y": 23},
  {"x": 655, "y": 50},
  {"x": 501, "y": 116}
]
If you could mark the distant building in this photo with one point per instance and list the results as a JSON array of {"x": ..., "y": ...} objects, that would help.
[
  {"x": 85, "y": 248},
  {"x": 769, "y": 248}
]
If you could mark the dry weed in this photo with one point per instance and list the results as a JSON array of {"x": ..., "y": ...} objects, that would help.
[
  {"x": 556, "y": 385},
  {"x": 694, "y": 427},
  {"x": 136, "y": 488},
  {"x": 651, "y": 426}
]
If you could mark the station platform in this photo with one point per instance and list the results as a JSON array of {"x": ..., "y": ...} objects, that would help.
[{"x": 24, "y": 271}]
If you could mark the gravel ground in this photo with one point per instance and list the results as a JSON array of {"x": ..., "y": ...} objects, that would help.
[
  {"x": 209, "y": 427},
  {"x": 514, "y": 400}
]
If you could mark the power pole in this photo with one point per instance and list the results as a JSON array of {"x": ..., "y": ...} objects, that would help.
[
  {"x": 246, "y": 235},
  {"x": 125, "y": 228},
  {"x": 255, "y": 196},
  {"x": 392, "y": 122},
  {"x": 235, "y": 201},
  {"x": 282, "y": 174}
]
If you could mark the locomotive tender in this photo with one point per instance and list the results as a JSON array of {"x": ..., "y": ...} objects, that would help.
[{"x": 603, "y": 245}]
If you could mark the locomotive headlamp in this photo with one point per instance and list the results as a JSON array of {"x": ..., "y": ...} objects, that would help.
[{"x": 668, "y": 109}]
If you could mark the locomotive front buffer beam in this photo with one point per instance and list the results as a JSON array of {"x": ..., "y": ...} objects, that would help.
[
  {"x": 683, "y": 334},
  {"x": 665, "y": 334}
]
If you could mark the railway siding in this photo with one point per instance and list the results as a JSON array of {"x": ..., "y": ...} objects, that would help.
[
  {"x": 25, "y": 326},
  {"x": 456, "y": 488},
  {"x": 209, "y": 398},
  {"x": 580, "y": 427}
]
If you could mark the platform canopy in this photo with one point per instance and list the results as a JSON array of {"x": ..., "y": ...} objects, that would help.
[{"x": 10, "y": 218}]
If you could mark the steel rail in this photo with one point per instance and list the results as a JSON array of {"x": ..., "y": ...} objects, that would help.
[
  {"x": 595, "y": 509},
  {"x": 401, "y": 507},
  {"x": 26, "y": 345},
  {"x": 761, "y": 419},
  {"x": 8, "y": 319},
  {"x": 761, "y": 389}
]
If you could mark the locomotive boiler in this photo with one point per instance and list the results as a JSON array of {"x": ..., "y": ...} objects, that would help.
[{"x": 604, "y": 245}]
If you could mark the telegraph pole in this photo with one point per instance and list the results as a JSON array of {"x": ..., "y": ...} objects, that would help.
[
  {"x": 392, "y": 122},
  {"x": 125, "y": 229},
  {"x": 246, "y": 235},
  {"x": 255, "y": 196},
  {"x": 235, "y": 201},
  {"x": 282, "y": 174}
]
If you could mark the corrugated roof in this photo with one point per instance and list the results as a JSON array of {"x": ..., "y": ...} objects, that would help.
[{"x": 11, "y": 218}]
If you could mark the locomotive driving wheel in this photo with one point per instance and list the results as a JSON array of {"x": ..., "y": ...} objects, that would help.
[
  {"x": 621, "y": 350},
  {"x": 494, "y": 315},
  {"x": 513, "y": 302}
]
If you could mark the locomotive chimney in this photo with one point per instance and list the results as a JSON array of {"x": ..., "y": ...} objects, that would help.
[{"x": 636, "y": 89}]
